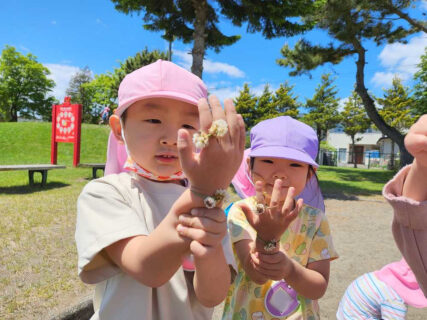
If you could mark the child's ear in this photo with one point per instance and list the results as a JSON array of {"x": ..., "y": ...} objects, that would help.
[
  {"x": 311, "y": 172},
  {"x": 116, "y": 128}
]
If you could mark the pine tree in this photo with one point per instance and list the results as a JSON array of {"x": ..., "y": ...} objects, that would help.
[
  {"x": 284, "y": 102},
  {"x": 323, "y": 108},
  {"x": 354, "y": 120},
  {"x": 420, "y": 89},
  {"x": 78, "y": 93},
  {"x": 265, "y": 108},
  {"x": 396, "y": 110},
  {"x": 246, "y": 105},
  {"x": 397, "y": 106}
]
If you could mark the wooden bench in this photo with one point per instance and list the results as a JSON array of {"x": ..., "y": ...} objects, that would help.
[
  {"x": 95, "y": 167},
  {"x": 42, "y": 168}
]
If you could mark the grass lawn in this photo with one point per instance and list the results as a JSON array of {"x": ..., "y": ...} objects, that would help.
[
  {"x": 37, "y": 252},
  {"x": 348, "y": 183}
]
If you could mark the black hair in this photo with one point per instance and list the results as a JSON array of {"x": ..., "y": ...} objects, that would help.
[{"x": 124, "y": 116}]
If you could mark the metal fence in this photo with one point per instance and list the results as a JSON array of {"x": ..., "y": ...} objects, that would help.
[{"x": 372, "y": 159}]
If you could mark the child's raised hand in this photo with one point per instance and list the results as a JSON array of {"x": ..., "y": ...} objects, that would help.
[
  {"x": 275, "y": 220},
  {"x": 205, "y": 227},
  {"x": 416, "y": 141},
  {"x": 215, "y": 165}
]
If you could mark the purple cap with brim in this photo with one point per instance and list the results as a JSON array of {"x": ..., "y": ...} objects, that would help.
[{"x": 286, "y": 138}]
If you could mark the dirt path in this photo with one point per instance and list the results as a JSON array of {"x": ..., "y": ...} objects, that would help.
[{"x": 362, "y": 236}]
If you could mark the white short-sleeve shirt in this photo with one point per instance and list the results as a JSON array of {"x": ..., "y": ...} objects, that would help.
[{"x": 120, "y": 206}]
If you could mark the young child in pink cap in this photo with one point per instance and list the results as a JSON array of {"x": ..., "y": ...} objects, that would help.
[
  {"x": 385, "y": 293},
  {"x": 134, "y": 228},
  {"x": 283, "y": 247}
]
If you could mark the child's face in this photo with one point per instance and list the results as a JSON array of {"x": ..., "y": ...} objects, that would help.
[
  {"x": 151, "y": 131},
  {"x": 293, "y": 173}
]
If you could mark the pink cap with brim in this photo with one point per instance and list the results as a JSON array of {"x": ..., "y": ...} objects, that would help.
[
  {"x": 400, "y": 277},
  {"x": 161, "y": 79}
]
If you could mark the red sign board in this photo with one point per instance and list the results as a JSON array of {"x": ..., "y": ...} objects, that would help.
[{"x": 66, "y": 127}]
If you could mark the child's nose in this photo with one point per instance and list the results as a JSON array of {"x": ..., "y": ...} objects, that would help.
[
  {"x": 169, "y": 138},
  {"x": 280, "y": 175}
]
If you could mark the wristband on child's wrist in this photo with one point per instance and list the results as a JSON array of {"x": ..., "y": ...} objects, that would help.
[
  {"x": 216, "y": 200},
  {"x": 268, "y": 245}
]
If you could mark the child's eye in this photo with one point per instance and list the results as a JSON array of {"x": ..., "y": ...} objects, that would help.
[
  {"x": 295, "y": 165},
  {"x": 267, "y": 161},
  {"x": 189, "y": 127},
  {"x": 153, "y": 121}
]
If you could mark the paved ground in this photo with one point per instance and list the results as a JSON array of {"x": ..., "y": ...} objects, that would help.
[{"x": 363, "y": 239}]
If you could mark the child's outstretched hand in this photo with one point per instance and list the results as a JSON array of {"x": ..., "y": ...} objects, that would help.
[
  {"x": 275, "y": 220},
  {"x": 215, "y": 165},
  {"x": 205, "y": 227},
  {"x": 416, "y": 141}
]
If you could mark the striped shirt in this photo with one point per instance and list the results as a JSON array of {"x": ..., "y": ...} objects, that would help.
[{"x": 367, "y": 297}]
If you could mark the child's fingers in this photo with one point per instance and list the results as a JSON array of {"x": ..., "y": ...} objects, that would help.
[
  {"x": 215, "y": 214},
  {"x": 205, "y": 115},
  {"x": 242, "y": 139},
  {"x": 232, "y": 121},
  {"x": 206, "y": 224},
  {"x": 216, "y": 108},
  {"x": 259, "y": 188},
  {"x": 268, "y": 258},
  {"x": 250, "y": 215},
  {"x": 295, "y": 212},
  {"x": 185, "y": 149},
  {"x": 277, "y": 192},
  {"x": 200, "y": 235},
  {"x": 288, "y": 205}
]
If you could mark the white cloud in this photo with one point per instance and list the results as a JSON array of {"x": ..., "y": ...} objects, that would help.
[
  {"x": 209, "y": 66},
  {"x": 424, "y": 4},
  {"x": 225, "y": 92},
  {"x": 400, "y": 59},
  {"x": 53, "y": 22},
  {"x": 61, "y": 74}
]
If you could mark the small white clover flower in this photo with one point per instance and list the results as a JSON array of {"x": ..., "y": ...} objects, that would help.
[
  {"x": 200, "y": 140},
  {"x": 219, "y": 128},
  {"x": 209, "y": 202},
  {"x": 222, "y": 195}
]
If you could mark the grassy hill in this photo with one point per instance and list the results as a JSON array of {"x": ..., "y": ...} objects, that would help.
[{"x": 29, "y": 142}]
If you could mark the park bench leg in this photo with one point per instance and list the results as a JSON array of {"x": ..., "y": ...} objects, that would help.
[
  {"x": 31, "y": 177},
  {"x": 44, "y": 177}
]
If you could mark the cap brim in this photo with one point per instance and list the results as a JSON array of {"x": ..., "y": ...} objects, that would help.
[
  {"x": 283, "y": 153},
  {"x": 159, "y": 94}
]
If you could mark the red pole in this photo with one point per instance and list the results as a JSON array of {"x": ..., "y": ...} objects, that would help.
[
  {"x": 53, "y": 144},
  {"x": 76, "y": 153}
]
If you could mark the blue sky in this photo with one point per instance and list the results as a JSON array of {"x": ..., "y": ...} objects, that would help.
[{"x": 68, "y": 35}]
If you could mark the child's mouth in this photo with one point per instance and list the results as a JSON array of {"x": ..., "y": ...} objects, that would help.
[{"x": 166, "y": 158}]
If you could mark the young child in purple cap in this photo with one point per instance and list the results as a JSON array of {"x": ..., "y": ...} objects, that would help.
[
  {"x": 283, "y": 247},
  {"x": 134, "y": 228}
]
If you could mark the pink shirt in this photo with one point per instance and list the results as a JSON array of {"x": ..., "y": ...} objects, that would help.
[{"x": 409, "y": 226}]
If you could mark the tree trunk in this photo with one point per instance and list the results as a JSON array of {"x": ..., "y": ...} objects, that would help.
[
  {"x": 319, "y": 134},
  {"x": 13, "y": 114},
  {"x": 369, "y": 105},
  {"x": 354, "y": 152},
  {"x": 198, "y": 52}
]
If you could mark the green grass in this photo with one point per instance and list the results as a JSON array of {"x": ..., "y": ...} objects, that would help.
[
  {"x": 346, "y": 183},
  {"x": 29, "y": 142}
]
